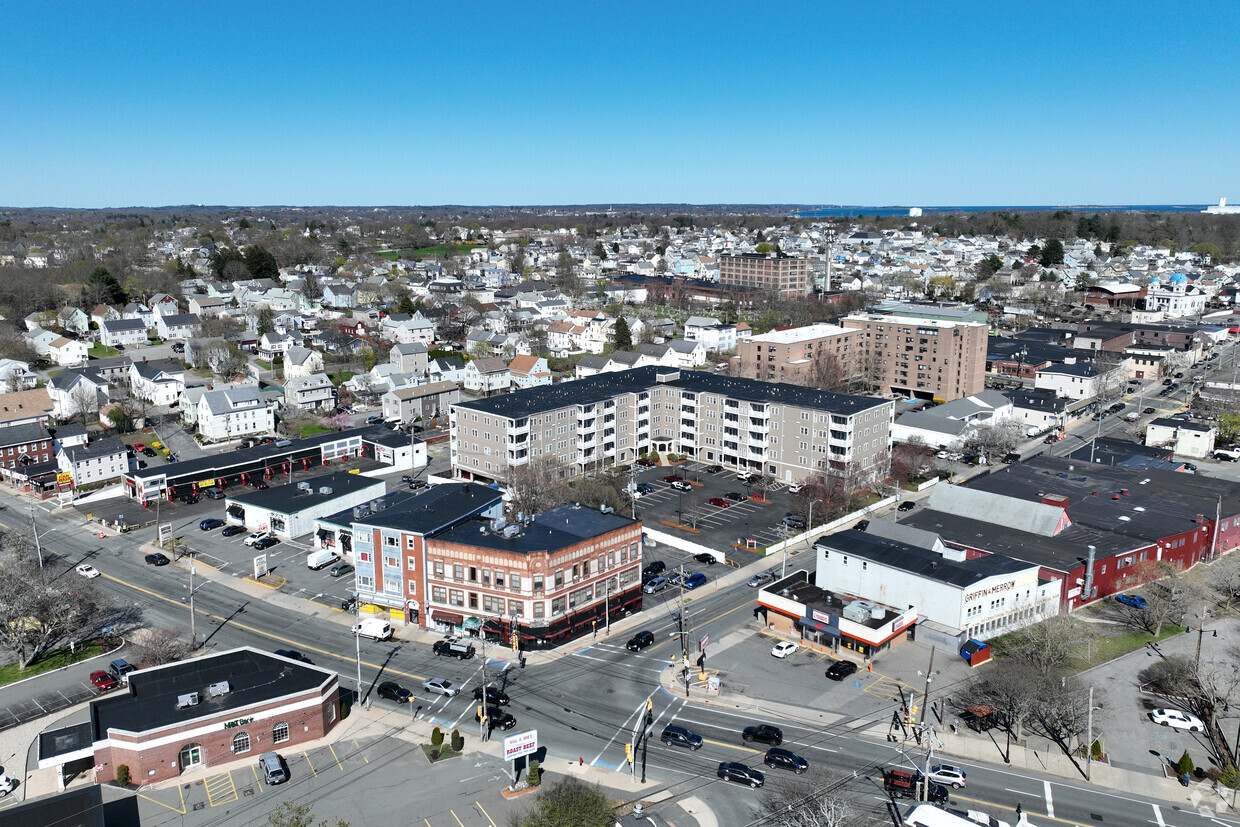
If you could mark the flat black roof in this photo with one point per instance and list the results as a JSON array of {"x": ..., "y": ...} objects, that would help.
[
  {"x": 549, "y": 531},
  {"x": 800, "y": 586},
  {"x": 603, "y": 386},
  {"x": 437, "y": 508},
  {"x": 75, "y": 807},
  {"x": 922, "y": 562},
  {"x": 286, "y": 499},
  {"x": 151, "y": 701}
]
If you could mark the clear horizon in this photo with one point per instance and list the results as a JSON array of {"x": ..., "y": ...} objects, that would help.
[{"x": 473, "y": 104}]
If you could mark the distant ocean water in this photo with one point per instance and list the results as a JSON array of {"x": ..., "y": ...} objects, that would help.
[{"x": 827, "y": 212}]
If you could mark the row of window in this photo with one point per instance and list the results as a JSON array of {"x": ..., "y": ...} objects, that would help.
[{"x": 279, "y": 734}]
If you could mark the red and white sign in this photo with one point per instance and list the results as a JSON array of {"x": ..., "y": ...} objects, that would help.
[{"x": 523, "y": 743}]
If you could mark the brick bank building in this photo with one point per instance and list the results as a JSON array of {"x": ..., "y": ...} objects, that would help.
[{"x": 199, "y": 713}]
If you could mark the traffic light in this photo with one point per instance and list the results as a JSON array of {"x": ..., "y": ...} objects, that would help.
[
  {"x": 628, "y": 753},
  {"x": 649, "y": 712},
  {"x": 482, "y": 715},
  {"x": 514, "y": 639}
]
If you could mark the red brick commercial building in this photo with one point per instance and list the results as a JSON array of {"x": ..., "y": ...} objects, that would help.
[{"x": 199, "y": 713}]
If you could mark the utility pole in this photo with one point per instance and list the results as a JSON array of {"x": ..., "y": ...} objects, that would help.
[
  {"x": 1089, "y": 735},
  {"x": 925, "y": 695},
  {"x": 607, "y": 609},
  {"x": 357, "y": 639},
  {"x": 34, "y": 528},
  {"x": 684, "y": 631},
  {"x": 193, "y": 627},
  {"x": 483, "y": 710}
]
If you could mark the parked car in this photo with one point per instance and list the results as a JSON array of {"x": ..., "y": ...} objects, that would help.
[
  {"x": 841, "y": 669},
  {"x": 735, "y": 496},
  {"x": 785, "y": 759},
  {"x": 673, "y": 478},
  {"x": 862, "y": 525},
  {"x": 907, "y": 505},
  {"x": 191, "y": 499},
  {"x": 233, "y": 530},
  {"x": 695, "y": 580},
  {"x": 948, "y": 775},
  {"x": 102, "y": 680},
  {"x": 261, "y": 485},
  {"x": 210, "y": 524},
  {"x": 761, "y": 579},
  {"x": 719, "y": 502},
  {"x": 1177, "y": 719},
  {"x": 88, "y": 571},
  {"x": 763, "y": 733},
  {"x": 647, "y": 463},
  {"x": 794, "y": 522},
  {"x": 394, "y": 692},
  {"x": 640, "y": 641},
  {"x": 348, "y": 604},
  {"x": 138, "y": 446},
  {"x": 214, "y": 494},
  {"x": 418, "y": 485},
  {"x": 440, "y": 686},
  {"x": 1134, "y": 600},
  {"x": 736, "y": 771},
  {"x": 340, "y": 569},
  {"x": 256, "y": 536},
  {"x": 265, "y": 543},
  {"x": 645, "y": 488},
  {"x": 675, "y": 736},
  {"x": 681, "y": 485},
  {"x": 783, "y": 649},
  {"x": 157, "y": 559},
  {"x": 495, "y": 696},
  {"x": 795, "y": 487},
  {"x": 148, "y": 452},
  {"x": 713, "y": 469},
  {"x": 1010, "y": 458},
  {"x": 652, "y": 568},
  {"x": 655, "y": 585},
  {"x": 705, "y": 558},
  {"x": 293, "y": 654}
]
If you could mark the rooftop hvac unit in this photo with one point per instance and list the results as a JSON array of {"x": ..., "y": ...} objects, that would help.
[
  {"x": 215, "y": 690},
  {"x": 378, "y": 505},
  {"x": 357, "y": 512},
  {"x": 857, "y": 611},
  {"x": 325, "y": 490},
  {"x": 499, "y": 524},
  {"x": 304, "y": 486},
  {"x": 188, "y": 700},
  {"x": 512, "y": 531}
]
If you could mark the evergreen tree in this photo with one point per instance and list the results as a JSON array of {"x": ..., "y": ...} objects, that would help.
[
  {"x": 266, "y": 320},
  {"x": 623, "y": 336},
  {"x": 1052, "y": 253},
  {"x": 261, "y": 263}
]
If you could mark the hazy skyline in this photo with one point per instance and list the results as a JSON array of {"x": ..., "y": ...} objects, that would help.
[{"x": 122, "y": 104}]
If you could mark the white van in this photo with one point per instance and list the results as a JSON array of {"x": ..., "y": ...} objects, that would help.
[{"x": 318, "y": 559}]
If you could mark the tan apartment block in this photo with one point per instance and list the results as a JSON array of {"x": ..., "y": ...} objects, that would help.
[
  {"x": 788, "y": 275},
  {"x": 801, "y": 355},
  {"x": 923, "y": 358}
]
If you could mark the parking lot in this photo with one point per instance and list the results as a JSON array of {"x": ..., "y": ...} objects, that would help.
[{"x": 719, "y": 526}]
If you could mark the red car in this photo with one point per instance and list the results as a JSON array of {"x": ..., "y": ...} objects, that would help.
[
  {"x": 647, "y": 463},
  {"x": 672, "y": 478},
  {"x": 102, "y": 681},
  {"x": 719, "y": 501},
  {"x": 138, "y": 446}
]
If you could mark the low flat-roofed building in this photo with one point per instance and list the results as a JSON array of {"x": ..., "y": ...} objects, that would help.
[{"x": 290, "y": 510}]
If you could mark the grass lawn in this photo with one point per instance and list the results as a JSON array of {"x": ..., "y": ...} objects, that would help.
[
  {"x": 262, "y": 364},
  {"x": 342, "y": 376},
  {"x": 438, "y": 251},
  {"x": 52, "y": 660},
  {"x": 102, "y": 351},
  {"x": 312, "y": 429}
]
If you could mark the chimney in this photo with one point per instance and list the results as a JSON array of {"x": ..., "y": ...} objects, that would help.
[
  {"x": 1058, "y": 500},
  {"x": 1199, "y": 519}
]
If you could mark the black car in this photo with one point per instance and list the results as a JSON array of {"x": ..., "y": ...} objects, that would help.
[
  {"x": 704, "y": 557},
  {"x": 841, "y": 669},
  {"x": 676, "y": 736},
  {"x": 713, "y": 469},
  {"x": 1011, "y": 458},
  {"x": 210, "y": 524},
  {"x": 157, "y": 559},
  {"x": 261, "y": 485},
  {"x": 233, "y": 530},
  {"x": 735, "y": 496},
  {"x": 645, "y": 488},
  {"x": 640, "y": 641},
  {"x": 652, "y": 568},
  {"x": 265, "y": 543},
  {"x": 862, "y": 525},
  {"x": 349, "y": 604},
  {"x": 417, "y": 485},
  {"x": 406, "y": 479},
  {"x": 763, "y": 733},
  {"x": 191, "y": 499},
  {"x": 495, "y": 696},
  {"x": 736, "y": 771},
  {"x": 1147, "y": 410},
  {"x": 293, "y": 654},
  {"x": 497, "y": 718},
  {"x": 373, "y": 420},
  {"x": 149, "y": 452},
  {"x": 785, "y": 759},
  {"x": 907, "y": 505},
  {"x": 394, "y": 692}
]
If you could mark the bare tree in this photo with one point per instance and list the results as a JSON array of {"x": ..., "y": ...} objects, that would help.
[
  {"x": 1050, "y": 646},
  {"x": 802, "y": 805},
  {"x": 537, "y": 486},
  {"x": 997, "y": 439},
  {"x": 38, "y": 608},
  {"x": 154, "y": 647}
]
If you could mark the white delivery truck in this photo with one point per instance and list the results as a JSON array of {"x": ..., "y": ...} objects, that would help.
[
  {"x": 374, "y": 628},
  {"x": 318, "y": 559}
]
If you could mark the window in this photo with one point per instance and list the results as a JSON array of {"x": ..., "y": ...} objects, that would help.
[
  {"x": 458, "y": 572},
  {"x": 494, "y": 605},
  {"x": 456, "y": 597},
  {"x": 241, "y": 742},
  {"x": 558, "y": 605},
  {"x": 279, "y": 733},
  {"x": 473, "y": 600},
  {"x": 559, "y": 579},
  {"x": 514, "y": 582},
  {"x": 439, "y": 569},
  {"x": 439, "y": 594},
  {"x": 389, "y": 540},
  {"x": 365, "y": 581},
  {"x": 499, "y": 579},
  {"x": 539, "y": 610},
  {"x": 538, "y": 582},
  {"x": 412, "y": 566}
]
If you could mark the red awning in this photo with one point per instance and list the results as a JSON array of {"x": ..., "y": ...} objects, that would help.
[{"x": 447, "y": 617}]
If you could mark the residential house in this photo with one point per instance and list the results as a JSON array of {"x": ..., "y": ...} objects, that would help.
[
  {"x": 689, "y": 354},
  {"x": 1078, "y": 380},
  {"x": 162, "y": 304},
  {"x": 133, "y": 310},
  {"x": 73, "y": 320},
  {"x": 41, "y": 340},
  {"x": 16, "y": 375},
  {"x": 302, "y": 361},
  {"x": 339, "y": 295},
  {"x": 208, "y": 306},
  {"x": 446, "y": 369},
  {"x": 100, "y": 461},
  {"x": 177, "y": 326},
  {"x": 529, "y": 371},
  {"x": 67, "y": 352},
  {"x": 423, "y": 402},
  {"x": 76, "y": 391},
  {"x": 23, "y": 445},
  {"x": 271, "y": 345},
  {"x": 20, "y": 407},
  {"x": 160, "y": 382},
  {"x": 229, "y": 414},
  {"x": 407, "y": 329},
  {"x": 718, "y": 337},
  {"x": 311, "y": 392},
  {"x": 103, "y": 313},
  {"x": 124, "y": 332},
  {"x": 951, "y": 424},
  {"x": 487, "y": 376},
  {"x": 410, "y": 358}
]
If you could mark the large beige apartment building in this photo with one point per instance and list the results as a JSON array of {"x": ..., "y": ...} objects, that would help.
[
  {"x": 781, "y": 430},
  {"x": 801, "y": 355},
  {"x": 786, "y": 274},
  {"x": 924, "y": 358}
]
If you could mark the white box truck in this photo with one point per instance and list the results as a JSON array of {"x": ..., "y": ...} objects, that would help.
[
  {"x": 374, "y": 628},
  {"x": 318, "y": 559}
]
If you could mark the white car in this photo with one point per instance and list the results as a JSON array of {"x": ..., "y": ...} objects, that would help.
[
  {"x": 6, "y": 785},
  {"x": 441, "y": 686},
  {"x": 783, "y": 649},
  {"x": 256, "y": 536},
  {"x": 795, "y": 487},
  {"x": 87, "y": 570},
  {"x": 947, "y": 775},
  {"x": 1176, "y": 718}
]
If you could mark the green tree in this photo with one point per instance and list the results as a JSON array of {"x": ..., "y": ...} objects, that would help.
[
  {"x": 266, "y": 320},
  {"x": 405, "y": 305},
  {"x": 569, "y": 802},
  {"x": 103, "y": 285},
  {"x": 1186, "y": 764},
  {"x": 764, "y": 249},
  {"x": 989, "y": 266},
  {"x": 1052, "y": 253},
  {"x": 261, "y": 263},
  {"x": 622, "y": 337},
  {"x": 1229, "y": 428},
  {"x": 600, "y": 252},
  {"x": 220, "y": 259},
  {"x": 1205, "y": 248}
]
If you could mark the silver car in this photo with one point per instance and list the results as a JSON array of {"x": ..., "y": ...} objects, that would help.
[
  {"x": 655, "y": 585},
  {"x": 440, "y": 686}
]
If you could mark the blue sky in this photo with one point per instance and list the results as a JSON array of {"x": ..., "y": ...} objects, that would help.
[{"x": 120, "y": 104}]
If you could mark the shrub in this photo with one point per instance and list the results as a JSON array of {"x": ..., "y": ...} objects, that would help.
[
  {"x": 458, "y": 740},
  {"x": 344, "y": 710},
  {"x": 434, "y": 755},
  {"x": 437, "y": 737},
  {"x": 1230, "y": 777},
  {"x": 535, "y": 773},
  {"x": 1186, "y": 764},
  {"x": 1096, "y": 750},
  {"x": 122, "y": 775}
]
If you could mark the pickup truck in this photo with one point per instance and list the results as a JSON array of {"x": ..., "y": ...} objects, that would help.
[{"x": 905, "y": 784}]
